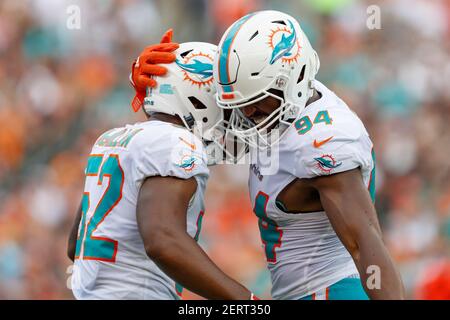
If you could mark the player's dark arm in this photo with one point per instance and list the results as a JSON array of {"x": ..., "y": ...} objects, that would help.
[
  {"x": 72, "y": 243},
  {"x": 349, "y": 207},
  {"x": 161, "y": 216}
]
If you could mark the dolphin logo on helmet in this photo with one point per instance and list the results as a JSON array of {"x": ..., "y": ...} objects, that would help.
[
  {"x": 284, "y": 46},
  {"x": 197, "y": 67}
]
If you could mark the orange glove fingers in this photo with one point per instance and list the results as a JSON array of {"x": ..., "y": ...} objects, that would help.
[
  {"x": 154, "y": 70},
  {"x": 157, "y": 57},
  {"x": 144, "y": 81},
  {"x": 147, "y": 66},
  {"x": 167, "y": 36},
  {"x": 163, "y": 47}
]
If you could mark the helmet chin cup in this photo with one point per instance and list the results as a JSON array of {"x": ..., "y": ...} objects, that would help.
[{"x": 225, "y": 147}]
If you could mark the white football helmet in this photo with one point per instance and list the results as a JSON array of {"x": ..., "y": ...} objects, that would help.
[
  {"x": 262, "y": 51},
  {"x": 187, "y": 91}
]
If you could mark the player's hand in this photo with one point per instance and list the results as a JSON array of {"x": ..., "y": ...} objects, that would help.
[{"x": 146, "y": 66}]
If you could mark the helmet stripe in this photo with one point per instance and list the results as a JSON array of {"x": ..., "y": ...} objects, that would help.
[{"x": 224, "y": 52}]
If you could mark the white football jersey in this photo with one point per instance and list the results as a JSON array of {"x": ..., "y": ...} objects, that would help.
[
  {"x": 111, "y": 262},
  {"x": 303, "y": 252}
]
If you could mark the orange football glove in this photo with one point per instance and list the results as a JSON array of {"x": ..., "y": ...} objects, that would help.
[{"x": 145, "y": 67}]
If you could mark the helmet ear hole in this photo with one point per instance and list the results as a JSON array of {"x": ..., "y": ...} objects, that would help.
[
  {"x": 197, "y": 103},
  {"x": 302, "y": 74}
]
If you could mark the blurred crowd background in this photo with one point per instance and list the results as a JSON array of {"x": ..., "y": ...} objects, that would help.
[{"x": 61, "y": 87}]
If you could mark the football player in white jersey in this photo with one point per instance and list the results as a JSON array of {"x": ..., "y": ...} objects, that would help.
[
  {"x": 314, "y": 201},
  {"x": 141, "y": 212},
  {"x": 317, "y": 220}
]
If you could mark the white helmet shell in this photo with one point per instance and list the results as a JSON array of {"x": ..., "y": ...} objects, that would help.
[
  {"x": 188, "y": 91},
  {"x": 262, "y": 51}
]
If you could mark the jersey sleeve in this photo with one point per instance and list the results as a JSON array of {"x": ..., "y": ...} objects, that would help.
[
  {"x": 177, "y": 154},
  {"x": 338, "y": 147}
]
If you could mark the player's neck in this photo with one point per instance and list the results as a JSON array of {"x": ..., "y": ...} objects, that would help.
[
  {"x": 316, "y": 96},
  {"x": 166, "y": 118}
]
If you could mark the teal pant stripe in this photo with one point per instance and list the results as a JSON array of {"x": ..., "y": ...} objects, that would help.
[{"x": 345, "y": 289}]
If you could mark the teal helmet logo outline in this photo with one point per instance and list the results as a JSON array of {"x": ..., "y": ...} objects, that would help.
[
  {"x": 283, "y": 48},
  {"x": 327, "y": 163},
  {"x": 197, "y": 64}
]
